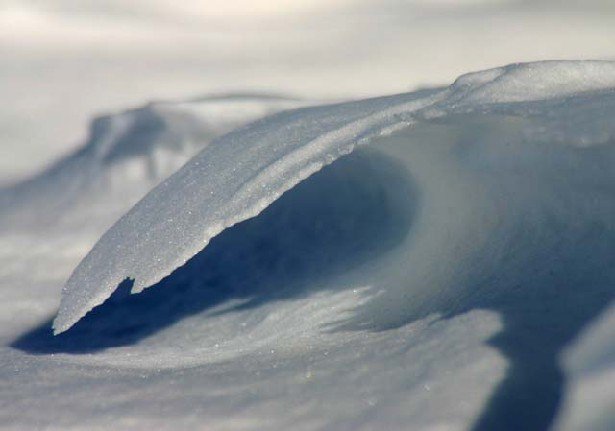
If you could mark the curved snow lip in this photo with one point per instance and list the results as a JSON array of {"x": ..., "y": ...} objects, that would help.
[{"x": 242, "y": 173}]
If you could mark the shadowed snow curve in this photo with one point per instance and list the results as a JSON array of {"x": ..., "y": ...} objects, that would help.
[{"x": 240, "y": 174}]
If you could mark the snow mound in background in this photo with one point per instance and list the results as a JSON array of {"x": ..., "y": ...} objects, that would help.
[
  {"x": 241, "y": 174},
  {"x": 126, "y": 154}
]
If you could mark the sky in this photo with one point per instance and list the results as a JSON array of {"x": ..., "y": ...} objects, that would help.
[{"x": 63, "y": 62}]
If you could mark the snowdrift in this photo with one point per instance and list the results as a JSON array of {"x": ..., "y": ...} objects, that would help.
[
  {"x": 508, "y": 145},
  {"x": 361, "y": 266}
]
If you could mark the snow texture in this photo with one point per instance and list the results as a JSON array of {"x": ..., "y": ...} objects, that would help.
[
  {"x": 437, "y": 260},
  {"x": 239, "y": 176}
]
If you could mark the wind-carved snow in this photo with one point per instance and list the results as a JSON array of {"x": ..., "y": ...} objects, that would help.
[
  {"x": 239, "y": 175},
  {"x": 358, "y": 265}
]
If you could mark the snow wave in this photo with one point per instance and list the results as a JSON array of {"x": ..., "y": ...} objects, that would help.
[
  {"x": 386, "y": 242},
  {"x": 505, "y": 118},
  {"x": 125, "y": 155}
]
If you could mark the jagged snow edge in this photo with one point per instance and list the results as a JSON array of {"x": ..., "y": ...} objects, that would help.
[{"x": 62, "y": 322}]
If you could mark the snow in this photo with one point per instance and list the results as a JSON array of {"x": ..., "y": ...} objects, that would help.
[
  {"x": 125, "y": 155},
  {"x": 239, "y": 176},
  {"x": 65, "y": 61},
  {"x": 434, "y": 260},
  {"x": 590, "y": 362},
  {"x": 535, "y": 81}
]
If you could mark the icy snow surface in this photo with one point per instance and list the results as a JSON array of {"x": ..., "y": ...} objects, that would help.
[{"x": 437, "y": 260}]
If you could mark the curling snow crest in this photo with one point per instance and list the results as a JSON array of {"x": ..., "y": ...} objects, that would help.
[{"x": 240, "y": 174}]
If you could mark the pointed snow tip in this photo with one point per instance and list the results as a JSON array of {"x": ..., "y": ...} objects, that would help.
[
  {"x": 72, "y": 309},
  {"x": 60, "y": 324},
  {"x": 65, "y": 319}
]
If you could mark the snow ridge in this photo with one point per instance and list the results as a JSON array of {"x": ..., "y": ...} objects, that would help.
[{"x": 239, "y": 175}]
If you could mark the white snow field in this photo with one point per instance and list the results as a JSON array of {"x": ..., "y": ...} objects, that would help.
[{"x": 436, "y": 260}]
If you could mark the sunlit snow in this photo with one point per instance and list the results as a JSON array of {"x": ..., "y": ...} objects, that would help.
[{"x": 434, "y": 260}]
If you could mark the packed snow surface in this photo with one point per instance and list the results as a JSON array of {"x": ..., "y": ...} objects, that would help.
[{"x": 436, "y": 260}]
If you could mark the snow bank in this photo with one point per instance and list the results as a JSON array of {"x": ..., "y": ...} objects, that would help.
[
  {"x": 418, "y": 261},
  {"x": 241, "y": 174}
]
